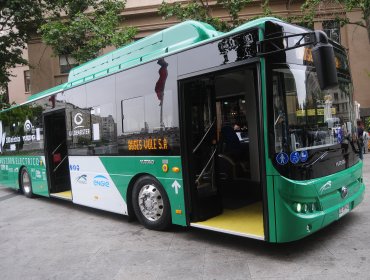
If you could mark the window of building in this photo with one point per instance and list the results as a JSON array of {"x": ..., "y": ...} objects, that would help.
[
  {"x": 27, "y": 81},
  {"x": 332, "y": 29},
  {"x": 66, "y": 63}
]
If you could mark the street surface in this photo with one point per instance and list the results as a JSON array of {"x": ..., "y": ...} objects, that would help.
[{"x": 45, "y": 238}]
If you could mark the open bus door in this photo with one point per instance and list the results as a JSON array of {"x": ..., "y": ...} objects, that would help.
[
  {"x": 221, "y": 151},
  {"x": 56, "y": 154}
]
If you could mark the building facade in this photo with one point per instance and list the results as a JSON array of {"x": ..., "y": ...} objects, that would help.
[
  {"x": 19, "y": 86},
  {"x": 48, "y": 71}
]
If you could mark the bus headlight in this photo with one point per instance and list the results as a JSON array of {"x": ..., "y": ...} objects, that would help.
[
  {"x": 297, "y": 207},
  {"x": 313, "y": 207},
  {"x": 304, "y": 208}
]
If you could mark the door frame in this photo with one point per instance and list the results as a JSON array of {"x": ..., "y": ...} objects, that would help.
[
  {"x": 48, "y": 166},
  {"x": 261, "y": 127},
  {"x": 191, "y": 195}
]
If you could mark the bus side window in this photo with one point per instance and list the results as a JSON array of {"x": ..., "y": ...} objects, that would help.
[{"x": 133, "y": 115}]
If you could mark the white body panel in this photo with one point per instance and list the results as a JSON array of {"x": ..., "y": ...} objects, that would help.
[{"x": 92, "y": 185}]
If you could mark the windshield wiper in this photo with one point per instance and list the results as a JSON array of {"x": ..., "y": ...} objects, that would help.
[{"x": 316, "y": 160}]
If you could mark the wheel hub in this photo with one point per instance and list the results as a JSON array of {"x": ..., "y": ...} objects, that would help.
[
  {"x": 151, "y": 202},
  {"x": 26, "y": 183}
]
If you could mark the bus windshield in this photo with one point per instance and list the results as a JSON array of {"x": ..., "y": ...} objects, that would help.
[{"x": 306, "y": 117}]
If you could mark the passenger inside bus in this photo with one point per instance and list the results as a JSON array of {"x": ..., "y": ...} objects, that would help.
[{"x": 238, "y": 158}]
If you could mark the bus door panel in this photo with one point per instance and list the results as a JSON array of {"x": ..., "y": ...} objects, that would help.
[{"x": 199, "y": 136}]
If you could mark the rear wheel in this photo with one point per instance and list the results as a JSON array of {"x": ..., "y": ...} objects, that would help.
[
  {"x": 25, "y": 182},
  {"x": 151, "y": 204}
]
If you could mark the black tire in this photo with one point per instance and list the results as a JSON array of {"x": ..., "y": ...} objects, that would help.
[
  {"x": 151, "y": 205},
  {"x": 25, "y": 183}
]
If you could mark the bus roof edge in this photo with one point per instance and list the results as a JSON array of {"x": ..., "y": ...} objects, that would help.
[{"x": 181, "y": 35}]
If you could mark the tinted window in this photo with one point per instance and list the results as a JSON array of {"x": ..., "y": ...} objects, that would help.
[
  {"x": 91, "y": 118},
  {"x": 21, "y": 129},
  {"x": 228, "y": 50},
  {"x": 148, "y": 106}
]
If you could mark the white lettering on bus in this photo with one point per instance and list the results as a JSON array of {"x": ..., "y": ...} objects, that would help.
[
  {"x": 79, "y": 132},
  {"x": 20, "y": 161}
]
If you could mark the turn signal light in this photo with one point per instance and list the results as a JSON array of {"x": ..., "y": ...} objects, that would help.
[{"x": 176, "y": 169}]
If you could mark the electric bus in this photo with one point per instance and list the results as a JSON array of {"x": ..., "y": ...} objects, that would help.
[{"x": 249, "y": 132}]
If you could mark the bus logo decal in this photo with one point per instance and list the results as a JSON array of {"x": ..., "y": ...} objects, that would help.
[
  {"x": 78, "y": 119},
  {"x": 101, "y": 181},
  {"x": 341, "y": 162},
  {"x": 325, "y": 187},
  {"x": 82, "y": 179},
  {"x": 344, "y": 192},
  {"x": 78, "y": 126},
  {"x": 28, "y": 126}
]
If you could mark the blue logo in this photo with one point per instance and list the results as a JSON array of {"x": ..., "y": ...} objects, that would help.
[
  {"x": 101, "y": 181},
  {"x": 282, "y": 158},
  {"x": 304, "y": 156},
  {"x": 294, "y": 157}
]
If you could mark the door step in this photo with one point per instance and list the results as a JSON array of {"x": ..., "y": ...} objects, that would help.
[
  {"x": 246, "y": 221},
  {"x": 67, "y": 195}
]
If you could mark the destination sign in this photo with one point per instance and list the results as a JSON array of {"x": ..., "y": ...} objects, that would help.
[{"x": 148, "y": 144}]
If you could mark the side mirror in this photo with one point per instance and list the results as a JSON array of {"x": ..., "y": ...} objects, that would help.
[{"x": 324, "y": 61}]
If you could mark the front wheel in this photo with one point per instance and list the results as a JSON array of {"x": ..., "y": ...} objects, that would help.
[
  {"x": 151, "y": 204},
  {"x": 25, "y": 182}
]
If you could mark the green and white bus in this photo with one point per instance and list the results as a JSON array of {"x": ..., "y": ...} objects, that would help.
[{"x": 248, "y": 132}]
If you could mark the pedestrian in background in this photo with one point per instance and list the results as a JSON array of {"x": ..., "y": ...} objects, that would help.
[
  {"x": 365, "y": 136},
  {"x": 360, "y": 139}
]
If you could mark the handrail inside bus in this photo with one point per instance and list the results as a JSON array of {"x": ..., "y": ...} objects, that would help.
[
  {"x": 204, "y": 136},
  {"x": 53, "y": 152},
  {"x": 56, "y": 168},
  {"x": 205, "y": 167}
]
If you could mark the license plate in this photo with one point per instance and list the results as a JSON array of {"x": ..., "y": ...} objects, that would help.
[{"x": 343, "y": 210}]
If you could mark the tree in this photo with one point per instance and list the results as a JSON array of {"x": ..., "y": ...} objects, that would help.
[
  {"x": 202, "y": 10},
  {"x": 81, "y": 29},
  {"x": 19, "y": 19},
  {"x": 313, "y": 8}
]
